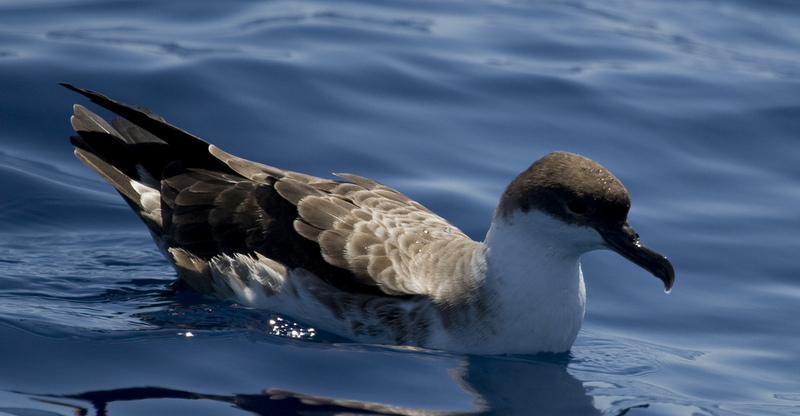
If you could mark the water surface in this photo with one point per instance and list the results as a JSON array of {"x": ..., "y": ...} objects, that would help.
[{"x": 694, "y": 105}]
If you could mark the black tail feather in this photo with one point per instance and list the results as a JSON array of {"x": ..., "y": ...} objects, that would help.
[{"x": 171, "y": 144}]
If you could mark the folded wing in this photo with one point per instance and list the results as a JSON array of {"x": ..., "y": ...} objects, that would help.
[{"x": 200, "y": 202}]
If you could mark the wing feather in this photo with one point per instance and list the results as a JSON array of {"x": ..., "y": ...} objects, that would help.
[{"x": 356, "y": 234}]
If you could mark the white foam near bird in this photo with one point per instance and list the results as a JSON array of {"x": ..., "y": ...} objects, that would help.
[{"x": 359, "y": 259}]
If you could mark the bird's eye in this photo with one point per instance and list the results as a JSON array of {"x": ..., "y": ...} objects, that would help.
[{"x": 578, "y": 206}]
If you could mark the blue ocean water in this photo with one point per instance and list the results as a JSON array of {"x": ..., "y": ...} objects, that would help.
[{"x": 694, "y": 105}]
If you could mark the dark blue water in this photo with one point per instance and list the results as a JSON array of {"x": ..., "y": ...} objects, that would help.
[{"x": 694, "y": 105}]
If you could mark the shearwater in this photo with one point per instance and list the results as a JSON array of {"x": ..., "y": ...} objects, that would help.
[{"x": 359, "y": 259}]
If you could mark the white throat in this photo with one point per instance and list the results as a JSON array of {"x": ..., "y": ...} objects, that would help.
[{"x": 534, "y": 274}]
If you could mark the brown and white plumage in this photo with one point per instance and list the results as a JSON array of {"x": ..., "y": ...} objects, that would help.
[{"x": 352, "y": 256}]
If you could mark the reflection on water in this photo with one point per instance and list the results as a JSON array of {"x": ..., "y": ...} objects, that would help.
[{"x": 498, "y": 386}]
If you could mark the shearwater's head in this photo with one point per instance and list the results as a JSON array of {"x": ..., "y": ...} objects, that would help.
[{"x": 578, "y": 191}]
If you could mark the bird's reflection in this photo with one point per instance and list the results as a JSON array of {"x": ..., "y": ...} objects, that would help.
[{"x": 498, "y": 385}]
